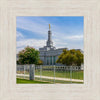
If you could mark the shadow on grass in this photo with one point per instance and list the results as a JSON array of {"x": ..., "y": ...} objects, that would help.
[{"x": 24, "y": 81}]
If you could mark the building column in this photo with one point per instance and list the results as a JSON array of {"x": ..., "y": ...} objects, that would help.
[
  {"x": 52, "y": 60},
  {"x": 56, "y": 57},
  {"x": 45, "y": 60},
  {"x": 49, "y": 60}
]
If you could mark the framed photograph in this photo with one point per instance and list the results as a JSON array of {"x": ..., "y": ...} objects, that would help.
[
  {"x": 57, "y": 60},
  {"x": 49, "y": 50}
]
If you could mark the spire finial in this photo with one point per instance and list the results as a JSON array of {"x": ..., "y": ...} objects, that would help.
[{"x": 49, "y": 26}]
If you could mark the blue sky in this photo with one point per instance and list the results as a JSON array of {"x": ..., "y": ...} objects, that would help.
[{"x": 66, "y": 31}]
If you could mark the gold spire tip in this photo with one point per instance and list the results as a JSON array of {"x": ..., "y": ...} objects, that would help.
[{"x": 49, "y": 26}]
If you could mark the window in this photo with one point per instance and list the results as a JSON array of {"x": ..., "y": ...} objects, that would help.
[
  {"x": 51, "y": 60},
  {"x": 54, "y": 60},
  {"x": 47, "y": 60}
]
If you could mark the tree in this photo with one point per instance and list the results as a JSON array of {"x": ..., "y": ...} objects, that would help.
[
  {"x": 28, "y": 56},
  {"x": 71, "y": 57},
  {"x": 40, "y": 62}
]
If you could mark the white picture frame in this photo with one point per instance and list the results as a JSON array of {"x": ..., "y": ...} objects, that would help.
[{"x": 9, "y": 90}]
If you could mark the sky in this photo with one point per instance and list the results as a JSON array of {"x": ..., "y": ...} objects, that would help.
[{"x": 67, "y": 31}]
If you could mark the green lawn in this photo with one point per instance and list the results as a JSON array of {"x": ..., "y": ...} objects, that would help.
[
  {"x": 62, "y": 74},
  {"x": 24, "y": 81},
  {"x": 58, "y": 81}
]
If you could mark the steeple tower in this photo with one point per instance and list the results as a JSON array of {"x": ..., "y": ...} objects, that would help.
[
  {"x": 49, "y": 41},
  {"x": 49, "y": 26}
]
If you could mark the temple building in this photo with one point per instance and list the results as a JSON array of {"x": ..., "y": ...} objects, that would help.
[{"x": 49, "y": 54}]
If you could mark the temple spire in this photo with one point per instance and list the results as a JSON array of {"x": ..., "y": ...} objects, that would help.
[
  {"x": 49, "y": 41},
  {"x": 49, "y": 26}
]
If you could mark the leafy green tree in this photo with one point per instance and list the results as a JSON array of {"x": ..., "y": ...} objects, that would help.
[
  {"x": 40, "y": 62},
  {"x": 28, "y": 56},
  {"x": 71, "y": 57}
]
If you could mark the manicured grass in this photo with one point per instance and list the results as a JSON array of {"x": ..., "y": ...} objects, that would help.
[
  {"x": 62, "y": 74},
  {"x": 58, "y": 73},
  {"x": 58, "y": 81},
  {"x": 24, "y": 81}
]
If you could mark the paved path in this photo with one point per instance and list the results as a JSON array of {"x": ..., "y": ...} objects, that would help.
[{"x": 56, "y": 78}]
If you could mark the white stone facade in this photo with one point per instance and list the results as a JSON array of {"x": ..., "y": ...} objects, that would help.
[{"x": 49, "y": 57}]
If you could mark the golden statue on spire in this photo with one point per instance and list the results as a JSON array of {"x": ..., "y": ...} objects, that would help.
[{"x": 49, "y": 26}]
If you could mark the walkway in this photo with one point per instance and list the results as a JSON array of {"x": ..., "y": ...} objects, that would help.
[{"x": 56, "y": 78}]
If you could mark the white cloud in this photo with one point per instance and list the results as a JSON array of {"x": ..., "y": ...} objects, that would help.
[
  {"x": 19, "y": 35},
  {"x": 64, "y": 36},
  {"x": 59, "y": 44},
  {"x": 19, "y": 49},
  {"x": 30, "y": 42},
  {"x": 32, "y": 26},
  {"x": 75, "y": 37},
  {"x": 38, "y": 43}
]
